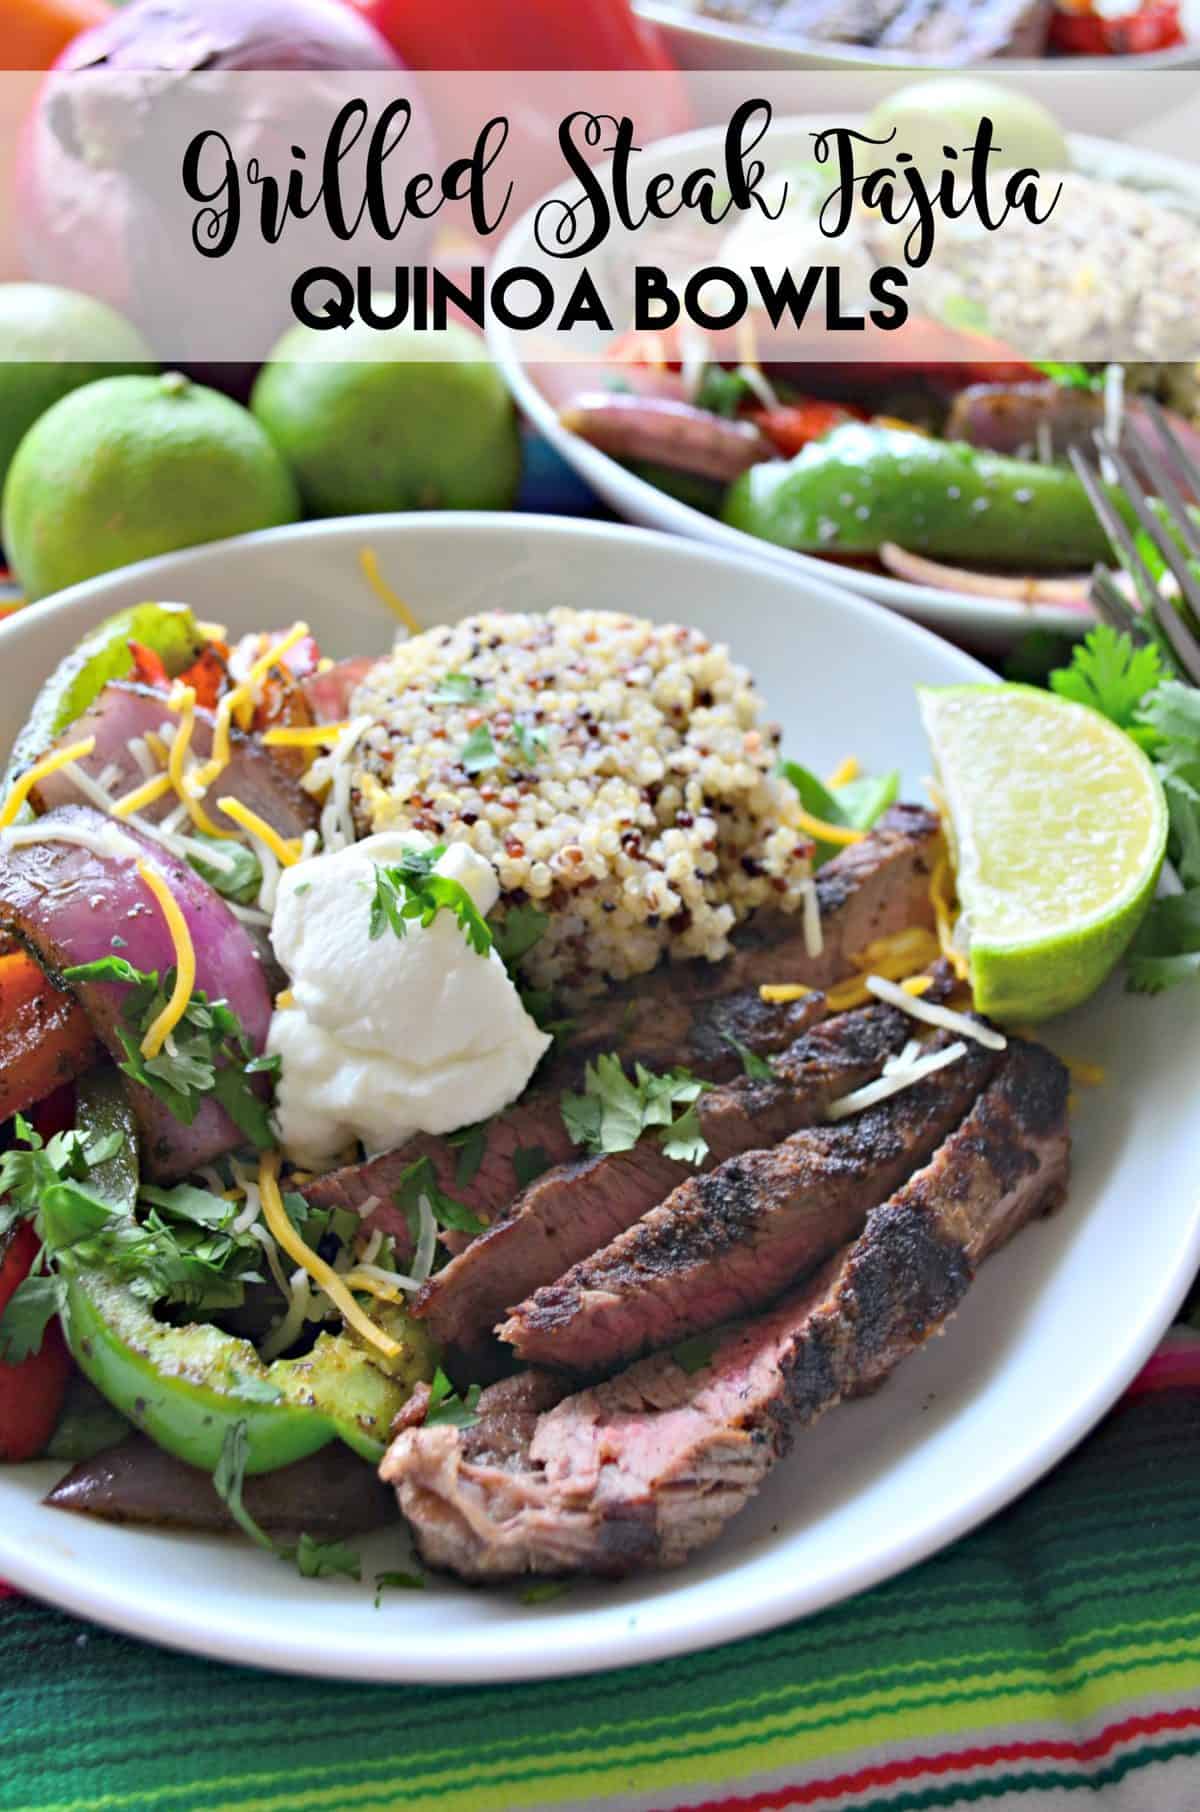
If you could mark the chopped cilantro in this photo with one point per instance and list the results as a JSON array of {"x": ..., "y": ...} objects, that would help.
[
  {"x": 518, "y": 931},
  {"x": 528, "y": 742},
  {"x": 229, "y": 1480},
  {"x": 446, "y": 1408},
  {"x": 693, "y": 1354},
  {"x": 470, "y": 1142},
  {"x": 208, "y": 1053},
  {"x": 231, "y": 869},
  {"x": 544, "y": 1590},
  {"x": 29, "y": 1310},
  {"x": 1111, "y": 675},
  {"x": 1070, "y": 375},
  {"x": 754, "y": 1066},
  {"x": 722, "y": 392},
  {"x": 420, "y": 1179},
  {"x": 613, "y": 1112},
  {"x": 858, "y": 804},
  {"x": 530, "y": 1162},
  {"x": 479, "y": 752},
  {"x": 327, "y": 1559},
  {"x": 459, "y": 689},
  {"x": 397, "y": 1582},
  {"x": 410, "y": 890}
]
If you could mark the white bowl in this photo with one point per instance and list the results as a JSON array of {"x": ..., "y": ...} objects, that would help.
[
  {"x": 985, "y": 622},
  {"x": 1054, "y": 1329}
]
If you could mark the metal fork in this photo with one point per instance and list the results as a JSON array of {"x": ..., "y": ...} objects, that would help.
[{"x": 1167, "y": 471}]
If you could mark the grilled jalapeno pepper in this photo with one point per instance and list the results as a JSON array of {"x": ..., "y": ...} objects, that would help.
[
  {"x": 187, "y": 1386},
  {"x": 863, "y": 485},
  {"x": 169, "y": 630}
]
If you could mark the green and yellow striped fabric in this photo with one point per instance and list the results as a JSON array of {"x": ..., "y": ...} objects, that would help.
[{"x": 1051, "y": 1657}]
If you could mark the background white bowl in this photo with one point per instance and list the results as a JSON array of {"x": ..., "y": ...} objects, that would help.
[
  {"x": 1054, "y": 1329},
  {"x": 985, "y": 622}
]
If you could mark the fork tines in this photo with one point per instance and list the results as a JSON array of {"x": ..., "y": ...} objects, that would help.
[{"x": 1167, "y": 472}]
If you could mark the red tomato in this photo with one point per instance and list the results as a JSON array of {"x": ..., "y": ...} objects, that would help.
[{"x": 31, "y": 1394}]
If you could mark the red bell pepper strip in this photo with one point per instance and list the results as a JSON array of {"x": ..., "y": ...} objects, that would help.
[
  {"x": 148, "y": 669},
  {"x": 31, "y": 1393},
  {"x": 1080, "y": 31},
  {"x": 45, "y": 1036},
  {"x": 791, "y": 426}
]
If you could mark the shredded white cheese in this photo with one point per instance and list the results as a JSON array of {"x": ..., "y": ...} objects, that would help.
[
  {"x": 110, "y": 844},
  {"x": 814, "y": 939},
  {"x": 756, "y": 379},
  {"x": 933, "y": 1015},
  {"x": 893, "y": 1084}
]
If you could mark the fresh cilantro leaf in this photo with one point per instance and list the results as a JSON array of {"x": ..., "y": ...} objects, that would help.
[
  {"x": 529, "y": 743},
  {"x": 754, "y": 1066},
  {"x": 1166, "y": 949},
  {"x": 479, "y": 752},
  {"x": 517, "y": 932},
  {"x": 613, "y": 1112},
  {"x": 269, "y": 1064},
  {"x": 420, "y": 1179},
  {"x": 302, "y": 887},
  {"x": 231, "y": 869},
  {"x": 684, "y": 1139},
  {"x": 396, "y": 1582},
  {"x": 29, "y": 1310},
  {"x": 857, "y": 805},
  {"x": 446, "y": 1408},
  {"x": 544, "y": 1591},
  {"x": 254, "y": 1389},
  {"x": 229, "y": 1479},
  {"x": 722, "y": 392},
  {"x": 693, "y": 1354},
  {"x": 106, "y": 968},
  {"x": 187, "y": 1203},
  {"x": 459, "y": 689},
  {"x": 470, "y": 1142},
  {"x": 530, "y": 1162},
  {"x": 250, "y": 1114},
  {"x": 404, "y": 893},
  {"x": 1070, "y": 376},
  {"x": 1110, "y": 674},
  {"x": 327, "y": 1559}
]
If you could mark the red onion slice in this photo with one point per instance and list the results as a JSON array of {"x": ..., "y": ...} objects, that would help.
[
  {"x": 1072, "y": 593},
  {"x": 70, "y": 902}
]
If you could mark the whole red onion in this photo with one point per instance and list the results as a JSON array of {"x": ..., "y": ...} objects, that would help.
[{"x": 87, "y": 211}]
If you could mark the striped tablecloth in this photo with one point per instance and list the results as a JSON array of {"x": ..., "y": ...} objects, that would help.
[{"x": 1051, "y": 1657}]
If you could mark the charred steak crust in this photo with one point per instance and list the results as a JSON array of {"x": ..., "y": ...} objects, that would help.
[
  {"x": 652, "y": 1464},
  {"x": 725, "y": 1242},
  {"x": 576, "y": 1208}
]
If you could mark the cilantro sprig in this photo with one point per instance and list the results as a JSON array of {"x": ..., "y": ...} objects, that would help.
[
  {"x": 446, "y": 1408},
  {"x": 857, "y": 805},
  {"x": 420, "y": 1180},
  {"x": 409, "y": 890},
  {"x": 613, "y": 1111},
  {"x": 207, "y": 1054},
  {"x": 313, "y": 1559},
  {"x": 1134, "y": 687}
]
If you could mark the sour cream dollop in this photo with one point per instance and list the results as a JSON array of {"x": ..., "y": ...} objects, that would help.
[{"x": 389, "y": 1036}]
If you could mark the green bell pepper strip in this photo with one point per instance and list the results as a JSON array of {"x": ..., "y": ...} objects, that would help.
[
  {"x": 103, "y": 655},
  {"x": 187, "y": 1386},
  {"x": 860, "y": 486}
]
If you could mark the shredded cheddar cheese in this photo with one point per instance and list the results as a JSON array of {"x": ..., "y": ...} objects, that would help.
[
  {"x": 49, "y": 764},
  {"x": 828, "y": 833},
  {"x": 781, "y": 994},
  {"x": 284, "y": 999},
  {"x": 852, "y": 992},
  {"x": 369, "y": 561},
  {"x": 916, "y": 985},
  {"x": 844, "y": 772},
  {"x": 940, "y": 900},
  {"x": 324, "y": 1276},
  {"x": 286, "y": 851},
  {"x": 183, "y": 701},
  {"x": 1087, "y": 1075},
  {"x": 303, "y": 736},
  {"x": 185, "y": 962},
  {"x": 149, "y": 793}
]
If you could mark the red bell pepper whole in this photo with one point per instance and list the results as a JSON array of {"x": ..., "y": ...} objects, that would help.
[{"x": 31, "y": 1394}]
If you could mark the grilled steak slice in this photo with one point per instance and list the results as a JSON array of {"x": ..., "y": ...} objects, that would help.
[
  {"x": 644, "y": 1469},
  {"x": 577, "y": 1208},
  {"x": 682, "y": 1015},
  {"x": 724, "y": 1243}
]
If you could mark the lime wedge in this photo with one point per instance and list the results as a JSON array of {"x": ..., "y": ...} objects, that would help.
[{"x": 1057, "y": 825}]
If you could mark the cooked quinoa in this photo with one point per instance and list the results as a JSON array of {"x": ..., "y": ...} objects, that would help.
[{"x": 631, "y": 794}]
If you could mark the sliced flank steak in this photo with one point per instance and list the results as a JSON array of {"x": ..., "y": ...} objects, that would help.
[
  {"x": 648, "y": 1467},
  {"x": 683, "y": 1015},
  {"x": 725, "y": 1243},
  {"x": 579, "y": 1207}
]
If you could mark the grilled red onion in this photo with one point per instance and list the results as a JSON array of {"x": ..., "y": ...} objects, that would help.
[
  {"x": 668, "y": 433},
  {"x": 329, "y": 693},
  {"x": 69, "y": 903},
  {"x": 1070, "y": 593}
]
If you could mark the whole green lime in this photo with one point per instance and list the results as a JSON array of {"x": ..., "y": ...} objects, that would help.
[
  {"x": 136, "y": 466},
  {"x": 395, "y": 420},
  {"x": 53, "y": 341},
  {"x": 947, "y": 110}
]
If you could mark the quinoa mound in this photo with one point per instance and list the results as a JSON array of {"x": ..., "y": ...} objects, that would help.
[{"x": 617, "y": 772}]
